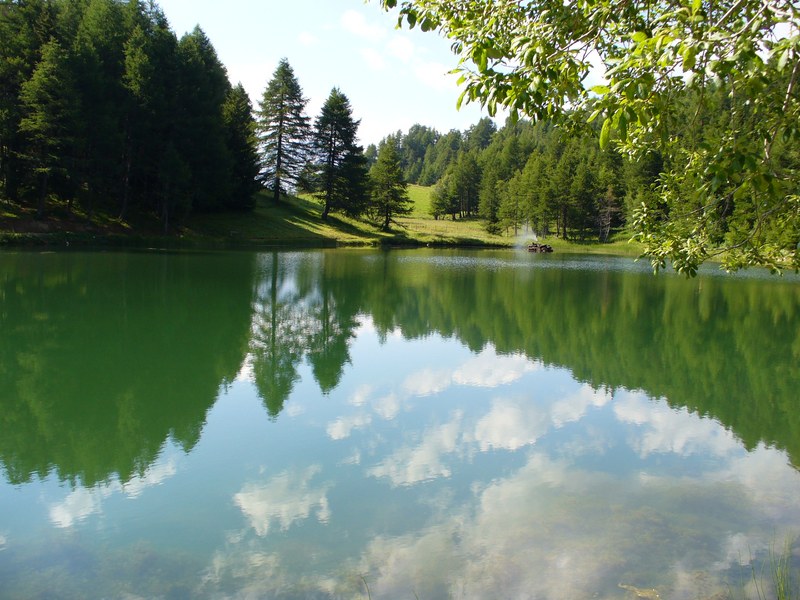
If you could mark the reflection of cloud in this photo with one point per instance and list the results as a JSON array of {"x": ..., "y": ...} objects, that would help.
[
  {"x": 82, "y": 502},
  {"x": 3, "y": 542},
  {"x": 738, "y": 549},
  {"x": 427, "y": 382},
  {"x": 510, "y": 425},
  {"x": 388, "y": 407},
  {"x": 361, "y": 395},
  {"x": 583, "y": 530},
  {"x": 572, "y": 408},
  {"x": 342, "y": 427},
  {"x": 513, "y": 423},
  {"x": 487, "y": 369},
  {"x": 153, "y": 477},
  {"x": 79, "y": 504},
  {"x": 767, "y": 484},
  {"x": 490, "y": 370},
  {"x": 672, "y": 430},
  {"x": 284, "y": 499},
  {"x": 424, "y": 462}
]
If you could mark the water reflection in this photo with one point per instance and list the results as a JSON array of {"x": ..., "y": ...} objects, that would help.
[
  {"x": 283, "y": 500},
  {"x": 105, "y": 357},
  {"x": 445, "y": 425}
]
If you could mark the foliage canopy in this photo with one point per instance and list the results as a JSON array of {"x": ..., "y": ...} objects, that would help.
[{"x": 735, "y": 193}]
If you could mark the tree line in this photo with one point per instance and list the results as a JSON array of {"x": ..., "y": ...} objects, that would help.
[
  {"x": 526, "y": 178},
  {"x": 540, "y": 178},
  {"x": 102, "y": 107}
]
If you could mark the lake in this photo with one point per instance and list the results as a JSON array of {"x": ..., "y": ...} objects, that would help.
[{"x": 407, "y": 424}]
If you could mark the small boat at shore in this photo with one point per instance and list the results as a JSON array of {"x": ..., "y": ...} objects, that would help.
[{"x": 536, "y": 247}]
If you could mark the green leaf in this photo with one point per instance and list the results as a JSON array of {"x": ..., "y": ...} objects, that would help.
[
  {"x": 783, "y": 59},
  {"x": 600, "y": 90},
  {"x": 696, "y": 5},
  {"x": 639, "y": 37},
  {"x": 494, "y": 53},
  {"x": 460, "y": 100},
  {"x": 689, "y": 54},
  {"x": 605, "y": 134}
]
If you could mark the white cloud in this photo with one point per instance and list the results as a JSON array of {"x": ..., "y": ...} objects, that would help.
[
  {"x": 373, "y": 59},
  {"x": 284, "y": 499},
  {"x": 355, "y": 23},
  {"x": 436, "y": 76},
  {"x": 307, "y": 39},
  {"x": 401, "y": 48}
]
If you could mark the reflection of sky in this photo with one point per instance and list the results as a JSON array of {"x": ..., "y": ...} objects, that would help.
[
  {"x": 283, "y": 500},
  {"x": 83, "y": 502},
  {"x": 503, "y": 478},
  {"x": 435, "y": 471}
]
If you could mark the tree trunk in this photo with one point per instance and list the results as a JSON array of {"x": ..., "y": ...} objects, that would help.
[{"x": 42, "y": 195}]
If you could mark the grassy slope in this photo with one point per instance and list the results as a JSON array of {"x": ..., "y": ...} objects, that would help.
[{"x": 292, "y": 222}]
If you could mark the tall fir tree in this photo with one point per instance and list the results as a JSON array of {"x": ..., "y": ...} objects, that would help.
[
  {"x": 200, "y": 129},
  {"x": 389, "y": 188},
  {"x": 50, "y": 119},
  {"x": 283, "y": 130},
  {"x": 240, "y": 128},
  {"x": 341, "y": 165}
]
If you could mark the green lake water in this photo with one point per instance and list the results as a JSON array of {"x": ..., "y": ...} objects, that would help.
[{"x": 428, "y": 424}]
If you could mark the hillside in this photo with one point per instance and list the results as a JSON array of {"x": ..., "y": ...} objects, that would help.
[{"x": 294, "y": 222}]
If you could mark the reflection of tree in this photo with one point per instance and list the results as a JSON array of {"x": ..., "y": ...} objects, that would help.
[
  {"x": 104, "y": 357},
  {"x": 297, "y": 318},
  {"x": 721, "y": 347},
  {"x": 277, "y": 341}
]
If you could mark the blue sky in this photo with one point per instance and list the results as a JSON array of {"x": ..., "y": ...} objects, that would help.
[{"x": 393, "y": 78}]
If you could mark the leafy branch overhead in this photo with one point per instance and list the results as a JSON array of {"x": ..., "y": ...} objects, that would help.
[{"x": 734, "y": 193}]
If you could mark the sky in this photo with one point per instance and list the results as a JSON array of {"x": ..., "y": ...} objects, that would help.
[{"x": 393, "y": 78}]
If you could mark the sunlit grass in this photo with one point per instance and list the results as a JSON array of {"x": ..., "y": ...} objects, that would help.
[
  {"x": 294, "y": 221},
  {"x": 421, "y": 197}
]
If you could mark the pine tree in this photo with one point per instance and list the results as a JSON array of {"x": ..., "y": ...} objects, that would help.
[
  {"x": 237, "y": 113},
  {"x": 50, "y": 121},
  {"x": 389, "y": 189},
  {"x": 200, "y": 129},
  {"x": 341, "y": 164},
  {"x": 283, "y": 130}
]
